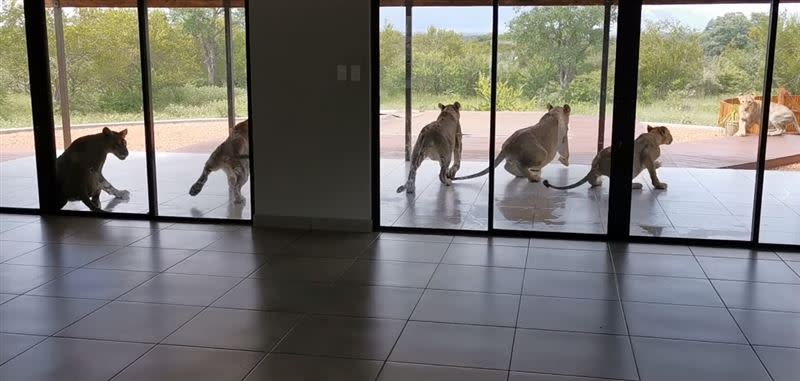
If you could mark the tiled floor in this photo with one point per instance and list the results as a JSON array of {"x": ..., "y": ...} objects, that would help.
[
  {"x": 176, "y": 172},
  {"x": 146, "y": 301},
  {"x": 699, "y": 203}
]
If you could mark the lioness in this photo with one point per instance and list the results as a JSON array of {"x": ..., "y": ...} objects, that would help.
[
  {"x": 528, "y": 150},
  {"x": 645, "y": 155},
  {"x": 439, "y": 140},
  {"x": 750, "y": 112},
  {"x": 233, "y": 157},
  {"x": 79, "y": 170}
]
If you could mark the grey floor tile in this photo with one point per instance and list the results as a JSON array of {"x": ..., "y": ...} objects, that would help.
[
  {"x": 781, "y": 329},
  {"x": 388, "y": 273},
  {"x": 36, "y": 315},
  {"x": 169, "y": 363},
  {"x": 256, "y": 241},
  {"x": 369, "y": 301},
  {"x": 38, "y": 231},
  {"x": 12, "y": 249},
  {"x": 669, "y": 360},
  {"x": 330, "y": 245},
  {"x": 783, "y": 364},
  {"x": 260, "y": 294},
  {"x": 286, "y": 367},
  {"x": 6, "y": 297},
  {"x": 569, "y": 260},
  {"x": 759, "y": 296},
  {"x": 627, "y": 248},
  {"x": 363, "y": 338},
  {"x": 578, "y": 315},
  {"x": 652, "y": 289},
  {"x": 485, "y": 255},
  {"x": 682, "y": 322},
  {"x": 477, "y": 278},
  {"x": 141, "y": 259},
  {"x": 658, "y": 264},
  {"x": 467, "y": 308},
  {"x": 108, "y": 235},
  {"x": 748, "y": 270},
  {"x": 566, "y": 244},
  {"x": 521, "y": 376},
  {"x": 402, "y": 372},
  {"x": 410, "y": 251},
  {"x": 93, "y": 284},
  {"x": 434, "y": 238},
  {"x": 304, "y": 269},
  {"x": 570, "y": 284},
  {"x": 234, "y": 329},
  {"x": 60, "y": 359},
  {"x": 58, "y": 255},
  {"x": 136, "y": 322},
  {"x": 492, "y": 241},
  {"x": 220, "y": 264},
  {"x": 17, "y": 279},
  {"x": 193, "y": 290},
  {"x": 789, "y": 256},
  {"x": 455, "y": 345},
  {"x": 577, "y": 354},
  {"x": 733, "y": 253},
  {"x": 179, "y": 239},
  {"x": 13, "y": 344}
]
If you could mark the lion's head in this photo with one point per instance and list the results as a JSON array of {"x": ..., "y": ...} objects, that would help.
[
  {"x": 115, "y": 142},
  {"x": 453, "y": 110},
  {"x": 662, "y": 132}
]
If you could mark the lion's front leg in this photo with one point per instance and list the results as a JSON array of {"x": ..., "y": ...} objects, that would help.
[
  {"x": 108, "y": 188},
  {"x": 451, "y": 173},
  {"x": 651, "y": 169}
]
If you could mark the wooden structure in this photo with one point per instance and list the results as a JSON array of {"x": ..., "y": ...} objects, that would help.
[{"x": 728, "y": 108}]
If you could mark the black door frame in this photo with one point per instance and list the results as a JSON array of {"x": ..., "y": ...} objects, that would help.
[
  {"x": 625, "y": 98},
  {"x": 44, "y": 126}
]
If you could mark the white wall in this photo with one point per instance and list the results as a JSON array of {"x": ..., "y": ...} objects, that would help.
[{"x": 311, "y": 133}]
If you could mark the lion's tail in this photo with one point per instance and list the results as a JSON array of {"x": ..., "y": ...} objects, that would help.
[
  {"x": 579, "y": 183},
  {"x": 500, "y": 157}
]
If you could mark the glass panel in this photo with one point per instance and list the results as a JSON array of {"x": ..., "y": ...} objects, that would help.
[
  {"x": 694, "y": 60},
  {"x": 451, "y": 63},
  {"x": 96, "y": 78},
  {"x": 190, "y": 101},
  {"x": 17, "y": 161},
  {"x": 780, "y": 210},
  {"x": 551, "y": 54}
]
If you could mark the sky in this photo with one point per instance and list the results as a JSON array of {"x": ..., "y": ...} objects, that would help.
[{"x": 478, "y": 20}]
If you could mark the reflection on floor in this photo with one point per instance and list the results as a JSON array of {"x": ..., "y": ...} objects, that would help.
[
  {"x": 700, "y": 203},
  {"x": 176, "y": 173},
  {"x": 91, "y": 299}
]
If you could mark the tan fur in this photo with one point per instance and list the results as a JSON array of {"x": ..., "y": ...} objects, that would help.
[
  {"x": 646, "y": 152},
  {"x": 440, "y": 140},
  {"x": 79, "y": 170},
  {"x": 528, "y": 150},
  {"x": 750, "y": 112},
  {"x": 233, "y": 158}
]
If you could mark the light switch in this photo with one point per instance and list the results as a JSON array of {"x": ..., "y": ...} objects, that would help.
[
  {"x": 341, "y": 72},
  {"x": 355, "y": 73}
]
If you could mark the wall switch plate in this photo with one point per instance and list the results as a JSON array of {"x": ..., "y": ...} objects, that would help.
[
  {"x": 341, "y": 72},
  {"x": 355, "y": 73}
]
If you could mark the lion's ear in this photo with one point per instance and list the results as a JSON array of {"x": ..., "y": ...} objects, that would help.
[
  {"x": 123, "y": 133},
  {"x": 441, "y": 106},
  {"x": 567, "y": 108},
  {"x": 457, "y": 105},
  {"x": 549, "y": 107},
  {"x": 649, "y": 128},
  {"x": 106, "y": 130}
]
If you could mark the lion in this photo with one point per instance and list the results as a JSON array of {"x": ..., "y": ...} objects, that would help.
[
  {"x": 528, "y": 150},
  {"x": 233, "y": 157},
  {"x": 79, "y": 170},
  {"x": 439, "y": 140},
  {"x": 779, "y": 116},
  {"x": 646, "y": 152}
]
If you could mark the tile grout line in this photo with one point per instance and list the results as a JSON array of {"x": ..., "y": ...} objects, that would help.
[
  {"x": 528, "y": 253},
  {"x": 624, "y": 314}
]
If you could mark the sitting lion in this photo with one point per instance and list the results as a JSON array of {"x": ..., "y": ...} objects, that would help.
[
  {"x": 439, "y": 140},
  {"x": 528, "y": 150},
  {"x": 645, "y": 155},
  {"x": 233, "y": 157},
  {"x": 79, "y": 170},
  {"x": 779, "y": 116}
]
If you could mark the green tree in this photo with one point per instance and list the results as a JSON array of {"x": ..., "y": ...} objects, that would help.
[
  {"x": 13, "y": 54},
  {"x": 727, "y": 31},
  {"x": 554, "y": 41},
  {"x": 670, "y": 59},
  {"x": 787, "y": 49},
  {"x": 206, "y": 26},
  {"x": 392, "y": 61}
]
